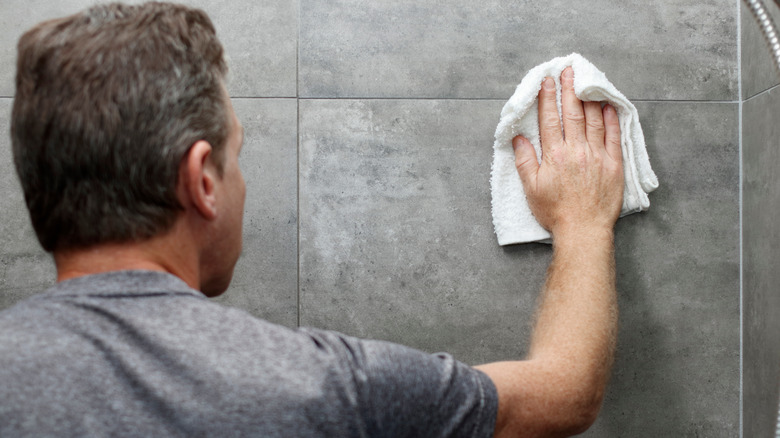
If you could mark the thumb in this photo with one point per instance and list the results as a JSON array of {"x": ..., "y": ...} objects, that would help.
[{"x": 525, "y": 159}]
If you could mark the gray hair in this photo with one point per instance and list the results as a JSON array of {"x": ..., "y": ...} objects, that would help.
[{"x": 107, "y": 104}]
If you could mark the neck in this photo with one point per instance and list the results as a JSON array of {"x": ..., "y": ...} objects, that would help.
[{"x": 164, "y": 253}]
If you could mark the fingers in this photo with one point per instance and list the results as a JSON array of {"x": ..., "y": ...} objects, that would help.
[
  {"x": 525, "y": 160},
  {"x": 549, "y": 121},
  {"x": 583, "y": 123},
  {"x": 612, "y": 136},
  {"x": 572, "y": 111},
  {"x": 594, "y": 125}
]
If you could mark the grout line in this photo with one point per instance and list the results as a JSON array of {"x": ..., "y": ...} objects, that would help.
[
  {"x": 741, "y": 213},
  {"x": 298, "y": 163},
  {"x": 761, "y": 93},
  {"x": 467, "y": 99},
  {"x": 298, "y": 55},
  {"x": 264, "y": 97},
  {"x": 405, "y": 98},
  {"x": 478, "y": 99},
  {"x": 298, "y": 204}
]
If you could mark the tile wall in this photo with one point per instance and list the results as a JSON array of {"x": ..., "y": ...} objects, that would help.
[
  {"x": 369, "y": 128},
  {"x": 760, "y": 231}
]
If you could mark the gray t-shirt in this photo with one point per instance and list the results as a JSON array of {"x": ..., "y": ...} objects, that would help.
[{"x": 139, "y": 353}]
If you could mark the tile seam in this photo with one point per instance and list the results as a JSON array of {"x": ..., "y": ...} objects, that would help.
[
  {"x": 759, "y": 94},
  {"x": 504, "y": 100},
  {"x": 298, "y": 97},
  {"x": 298, "y": 162},
  {"x": 741, "y": 213}
]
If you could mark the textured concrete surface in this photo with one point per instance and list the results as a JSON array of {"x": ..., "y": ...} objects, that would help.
[
  {"x": 265, "y": 281},
  {"x": 761, "y": 235},
  {"x": 758, "y": 70},
  {"x": 25, "y": 268},
  {"x": 677, "y": 366},
  {"x": 679, "y": 50},
  {"x": 397, "y": 243},
  {"x": 371, "y": 215},
  {"x": 259, "y": 37},
  {"x": 396, "y": 231}
]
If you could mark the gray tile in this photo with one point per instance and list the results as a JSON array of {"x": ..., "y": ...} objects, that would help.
[
  {"x": 758, "y": 70},
  {"x": 396, "y": 243},
  {"x": 261, "y": 42},
  {"x": 677, "y": 365},
  {"x": 25, "y": 268},
  {"x": 761, "y": 234},
  {"x": 260, "y": 39},
  {"x": 650, "y": 50},
  {"x": 265, "y": 282},
  {"x": 396, "y": 234}
]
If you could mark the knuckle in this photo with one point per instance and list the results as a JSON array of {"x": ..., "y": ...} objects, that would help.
[
  {"x": 550, "y": 119},
  {"x": 521, "y": 163},
  {"x": 595, "y": 125},
  {"x": 575, "y": 117}
]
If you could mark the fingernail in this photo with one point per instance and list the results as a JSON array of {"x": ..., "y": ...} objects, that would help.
[
  {"x": 516, "y": 142},
  {"x": 549, "y": 84},
  {"x": 568, "y": 73}
]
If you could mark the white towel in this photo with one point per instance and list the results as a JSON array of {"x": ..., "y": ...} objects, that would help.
[{"x": 512, "y": 217}]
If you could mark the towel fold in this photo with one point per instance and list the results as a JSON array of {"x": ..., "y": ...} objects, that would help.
[{"x": 512, "y": 217}]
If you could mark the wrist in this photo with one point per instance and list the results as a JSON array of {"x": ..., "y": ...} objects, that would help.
[{"x": 582, "y": 235}]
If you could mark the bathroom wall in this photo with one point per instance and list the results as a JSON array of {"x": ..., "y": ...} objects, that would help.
[
  {"x": 369, "y": 128},
  {"x": 760, "y": 231}
]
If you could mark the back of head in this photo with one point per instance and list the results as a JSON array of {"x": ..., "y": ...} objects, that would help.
[{"x": 108, "y": 102}]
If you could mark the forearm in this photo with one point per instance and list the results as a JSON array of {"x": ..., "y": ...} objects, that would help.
[
  {"x": 575, "y": 192},
  {"x": 576, "y": 322}
]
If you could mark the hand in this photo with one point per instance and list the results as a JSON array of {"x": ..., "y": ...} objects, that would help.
[{"x": 579, "y": 183}]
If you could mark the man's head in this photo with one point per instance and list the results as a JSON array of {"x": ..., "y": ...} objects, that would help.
[{"x": 107, "y": 104}]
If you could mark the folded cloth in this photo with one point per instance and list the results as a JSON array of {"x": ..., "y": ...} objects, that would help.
[{"x": 512, "y": 217}]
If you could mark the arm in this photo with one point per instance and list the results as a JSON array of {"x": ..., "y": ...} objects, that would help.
[{"x": 575, "y": 193}]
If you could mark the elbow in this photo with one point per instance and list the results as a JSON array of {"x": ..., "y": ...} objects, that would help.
[
  {"x": 579, "y": 398},
  {"x": 579, "y": 411},
  {"x": 584, "y": 420},
  {"x": 540, "y": 399}
]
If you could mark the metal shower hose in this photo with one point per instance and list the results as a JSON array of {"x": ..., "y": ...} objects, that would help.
[{"x": 769, "y": 30}]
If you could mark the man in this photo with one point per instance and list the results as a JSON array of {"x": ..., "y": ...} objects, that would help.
[{"x": 127, "y": 147}]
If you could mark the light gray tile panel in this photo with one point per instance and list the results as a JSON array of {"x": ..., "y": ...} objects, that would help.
[
  {"x": 761, "y": 237},
  {"x": 396, "y": 234},
  {"x": 260, "y": 39},
  {"x": 25, "y": 269},
  {"x": 261, "y": 43},
  {"x": 265, "y": 282},
  {"x": 677, "y": 364},
  {"x": 758, "y": 71},
  {"x": 397, "y": 243},
  {"x": 411, "y": 48}
]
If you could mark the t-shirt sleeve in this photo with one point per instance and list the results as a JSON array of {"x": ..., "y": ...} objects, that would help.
[{"x": 403, "y": 392}]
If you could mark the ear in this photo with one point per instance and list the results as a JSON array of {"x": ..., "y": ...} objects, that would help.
[{"x": 197, "y": 180}]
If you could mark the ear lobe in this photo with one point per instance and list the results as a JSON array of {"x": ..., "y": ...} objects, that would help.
[{"x": 199, "y": 179}]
